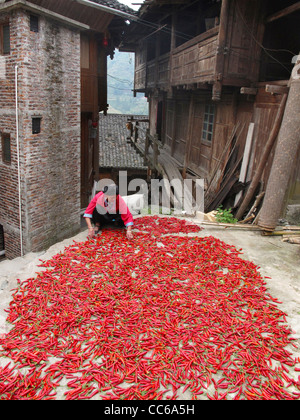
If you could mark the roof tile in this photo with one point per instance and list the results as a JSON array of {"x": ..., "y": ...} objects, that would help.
[{"x": 115, "y": 152}]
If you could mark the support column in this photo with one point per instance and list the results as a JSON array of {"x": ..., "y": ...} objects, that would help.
[
  {"x": 285, "y": 156},
  {"x": 222, "y": 43}
]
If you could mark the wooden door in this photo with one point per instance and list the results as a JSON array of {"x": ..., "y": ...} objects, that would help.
[
  {"x": 87, "y": 159},
  {"x": 181, "y": 130}
]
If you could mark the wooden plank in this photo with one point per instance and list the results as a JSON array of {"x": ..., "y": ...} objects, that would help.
[
  {"x": 292, "y": 240},
  {"x": 228, "y": 225},
  {"x": 189, "y": 135},
  {"x": 231, "y": 179},
  {"x": 275, "y": 89},
  {"x": 223, "y": 156},
  {"x": 284, "y": 12},
  {"x": 245, "y": 163},
  {"x": 172, "y": 172},
  {"x": 249, "y": 91},
  {"x": 265, "y": 155}
]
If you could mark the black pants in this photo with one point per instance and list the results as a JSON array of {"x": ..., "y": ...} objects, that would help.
[{"x": 107, "y": 219}]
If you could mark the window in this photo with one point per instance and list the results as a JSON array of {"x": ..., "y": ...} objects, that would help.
[
  {"x": 5, "y": 39},
  {"x": 34, "y": 23},
  {"x": 36, "y": 125},
  {"x": 208, "y": 123},
  {"x": 6, "y": 148}
]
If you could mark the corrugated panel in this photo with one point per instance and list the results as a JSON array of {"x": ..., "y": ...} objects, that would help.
[{"x": 96, "y": 19}]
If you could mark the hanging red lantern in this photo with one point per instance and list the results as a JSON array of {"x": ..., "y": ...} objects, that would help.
[{"x": 105, "y": 41}]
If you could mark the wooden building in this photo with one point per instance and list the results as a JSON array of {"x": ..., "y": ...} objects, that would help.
[
  {"x": 216, "y": 73},
  {"x": 53, "y": 82}
]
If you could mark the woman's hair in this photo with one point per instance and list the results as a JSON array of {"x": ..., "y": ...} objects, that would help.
[{"x": 111, "y": 190}]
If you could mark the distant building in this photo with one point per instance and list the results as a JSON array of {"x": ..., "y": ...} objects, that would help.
[
  {"x": 116, "y": 154},
  {"x": 53, "y": 83}
]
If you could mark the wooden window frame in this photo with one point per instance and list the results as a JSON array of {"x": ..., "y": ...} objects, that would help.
[
  {"x": 208, "y": 124},
  {"x": 4, "y": 137}
]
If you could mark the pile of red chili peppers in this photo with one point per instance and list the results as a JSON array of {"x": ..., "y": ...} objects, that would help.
[{"x": 159, "y": 317}]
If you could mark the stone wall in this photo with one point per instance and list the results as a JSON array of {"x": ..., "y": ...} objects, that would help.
[{"x": 49, "y": 88}]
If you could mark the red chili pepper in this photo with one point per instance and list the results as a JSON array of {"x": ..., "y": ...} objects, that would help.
[{"x": 111, "y": 312}]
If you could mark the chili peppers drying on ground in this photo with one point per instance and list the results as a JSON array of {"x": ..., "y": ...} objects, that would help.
[{"x": 159, "y": 317}]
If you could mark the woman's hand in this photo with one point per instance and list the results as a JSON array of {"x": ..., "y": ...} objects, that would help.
[
  {"x": 129, "y": 233},
  {"x": 91, "y": 232}
]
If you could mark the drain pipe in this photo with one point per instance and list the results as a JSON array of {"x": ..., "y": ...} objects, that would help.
[{"x": 18, "y": 158}]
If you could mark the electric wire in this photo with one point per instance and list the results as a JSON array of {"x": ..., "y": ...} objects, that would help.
[
  {"x": 266, "y": 50},
  {"x": 166, "y": 30}
]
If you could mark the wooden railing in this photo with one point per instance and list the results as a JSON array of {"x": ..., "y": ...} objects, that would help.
[
  {"x": 191, "y": 62},
  {"x": 195, "y": 62},
  {"x": 150, "y": 148}
]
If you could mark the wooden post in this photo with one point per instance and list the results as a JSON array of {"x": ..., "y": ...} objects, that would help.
[
  {"x": 189, "y": 137},
  {"x": 224, "y": 17},
  {"x": 173, "y": 133},
  {"x": 147, "y": 146},
  {"x": 264, "y": 158},
  {"x": 136, "y": 132},
  {"x": 172, "y": 46},
  {"x": 155, "y": 150},
  {"x": 285, "y": 156}
]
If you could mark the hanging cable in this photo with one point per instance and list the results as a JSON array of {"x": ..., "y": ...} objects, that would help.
[{"x": 266, "y": 50}]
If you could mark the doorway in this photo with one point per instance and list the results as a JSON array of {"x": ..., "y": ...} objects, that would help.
[
  {"x": 88, "y": 139},
  {"x": 2, "y": 243}
]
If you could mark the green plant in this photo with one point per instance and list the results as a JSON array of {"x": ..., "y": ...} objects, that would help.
[{"x": 225, "y": 216}]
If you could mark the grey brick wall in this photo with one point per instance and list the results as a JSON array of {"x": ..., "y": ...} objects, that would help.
[{"x": 49, "y": 88}]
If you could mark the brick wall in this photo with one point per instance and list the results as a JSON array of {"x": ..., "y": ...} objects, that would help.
[{"x": 49, "y": 88}]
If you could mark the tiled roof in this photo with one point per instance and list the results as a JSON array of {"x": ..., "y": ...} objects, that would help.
[
  {"x": 115, "y": 152},
  {"x": 116, "y": 5}
]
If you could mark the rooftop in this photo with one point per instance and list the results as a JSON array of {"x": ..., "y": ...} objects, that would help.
[
  {"x": 115, "y": 152},
  {"x": 114, "y": 4}
]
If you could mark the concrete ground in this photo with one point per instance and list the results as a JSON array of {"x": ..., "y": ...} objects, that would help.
[{"x": 276, "y": 259}]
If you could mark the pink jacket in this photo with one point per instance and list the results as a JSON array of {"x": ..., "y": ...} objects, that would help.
[{"x": 121, "y": 208}]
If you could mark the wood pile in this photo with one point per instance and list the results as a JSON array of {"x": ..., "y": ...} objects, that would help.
[
  {"x": 289, "y": 234},
  {"x": 225, "y": 181},
  {"x": 292, "y": 239},
  {"x": 228, "y": 184}
]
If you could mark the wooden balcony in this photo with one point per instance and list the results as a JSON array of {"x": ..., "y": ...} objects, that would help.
[
  {"x": 192, "y": 62},
  {"x": 195, "y": 61}
]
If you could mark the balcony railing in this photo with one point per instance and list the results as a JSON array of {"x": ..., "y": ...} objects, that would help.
[{"x": 192, "y": 62}]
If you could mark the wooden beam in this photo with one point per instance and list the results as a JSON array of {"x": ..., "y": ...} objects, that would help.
[
  {"x": 228, "y": 225},
  {"x": 285, "y": 12},
  {"x": 249, "y": 91},
  {"x": 189, "y": 136},
  {"x": 277, "y": 90},
  {"x": 246, "y": 158},
  {"x": 222, "y": 43}
]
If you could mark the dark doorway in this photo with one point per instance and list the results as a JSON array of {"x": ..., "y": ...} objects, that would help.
[
  {"x": 88, "y": 137},
  {"x": 159, "y": 122},
  {"x": 2, "y": 244}
]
